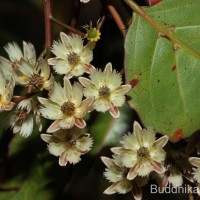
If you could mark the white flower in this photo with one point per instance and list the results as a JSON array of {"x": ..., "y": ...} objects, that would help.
[
  {"x": 15, "y": 54},
  {"x": 22, "y": 118},
  {"x": 116, "y": 173},
  {"x": 141, "y": 152},
  {"x": 195, "y": 161},
  {"x": 84, "y": 1},
  {"x": 68, "y": 144},
  {"x": 175, "y": 179},
  {"x": 21, "y": 121},
  {"x": 177, "y": 166},
  {"x": 6, "y": 93},
  {"x": 65, "y": 106},
  {"x": 173, "y": 173},
  {"x": 72, "y": 58},
  {"x": 169, "y": 177},
  {"x": 39, "y": 77},
  {"x": 106, "y": 89}
]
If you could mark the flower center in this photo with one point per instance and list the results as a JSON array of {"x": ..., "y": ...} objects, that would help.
[
  {"x": 73, "y": 58},
  {"x": 36, "y": 81},
  {"x": 92, "y": 32},
  {"x": 143, "y": 152},
  {"x": 71, "y": 139},
  {"x": 68, "y": 108},
  {"x": 72, "y": 142},
  {"x": 104, "y": 92},
  {"x": 124, "y": 172},
  {"x": 21, "y": 115}
]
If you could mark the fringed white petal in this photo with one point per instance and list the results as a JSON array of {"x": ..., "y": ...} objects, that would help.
[
  {"x": 73, "y": 156},
  {"x": 14, "y": 52},
  {"x": 68, "y": 88},
  {"x": 27, "y": 127},
  {"x": 78, "y": 70},
  {"x": 57, "y": 94},
  {"x": 29, "y": 53},
  {"x": 59, "y": 49},
  {"x": 67, "y": 123},
  {"x": 45, "y": 70},
  {"x": 77, "y": 94},
  {"x": 55, "y": 149},
  {"x": 59, "y": 65},
  {"x": 102, "y": 105},
  {"x": 26, "y": 68}
]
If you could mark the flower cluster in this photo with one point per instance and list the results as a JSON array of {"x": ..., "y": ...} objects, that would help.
[
  {"x": 25, "y": 68},
  {"x": 67, "y": 103},
  {"x": 116, "y": 173},
  {"x": 139, "y": 155}
]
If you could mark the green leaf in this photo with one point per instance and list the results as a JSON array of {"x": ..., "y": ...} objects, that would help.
[
  {"x": 164, "y": 70},
  {"x": 107, "y": 131}
]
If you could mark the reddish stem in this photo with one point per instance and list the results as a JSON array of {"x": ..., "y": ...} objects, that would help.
[
  {"x": 116, "y": 17},
  {"x": 73, "y": 30},
  {"x": 47, "y": 13},
  {"x": 17, "y": 100}
]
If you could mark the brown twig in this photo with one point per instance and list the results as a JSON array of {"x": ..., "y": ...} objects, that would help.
[
  {"x": 67, "y": 27},
  {"x": 47, "y": 13},
  {"x": 116, "y": 17}
]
